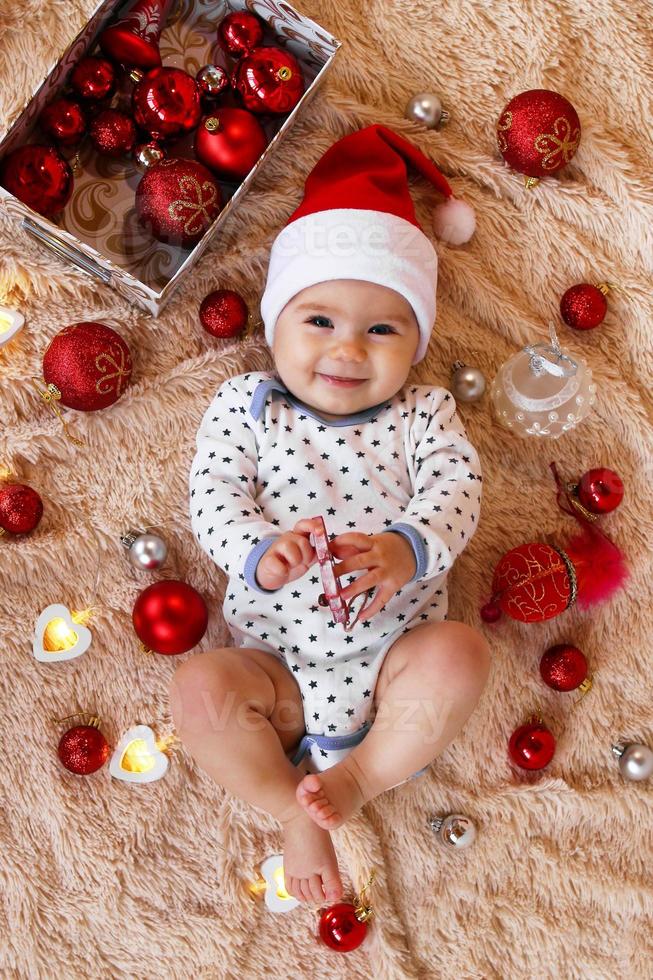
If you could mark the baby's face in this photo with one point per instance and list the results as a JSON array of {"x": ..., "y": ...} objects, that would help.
[{"x": 345, "y": 328}]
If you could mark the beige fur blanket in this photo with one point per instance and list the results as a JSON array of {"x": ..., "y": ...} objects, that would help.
[{"x": 102, "y": 879}]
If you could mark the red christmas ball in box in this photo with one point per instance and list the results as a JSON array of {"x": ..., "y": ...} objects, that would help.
[
  {"x": 538, "y": 132},
  {"x": 170, "y": 617},
  {"x": 90, "y": 365},
  {"x": 39, "y": 177},
  {"x": 229, "y": 142},
  {"x": 177, "y": 200},
  {"x": 269, "y": 80},
  {"x": 166, "y": 103},
  {"x": 21, "y": 508},
  {"x": 94, "y": 79},
  {"x": 113, "y": 133},
  {"x": 64, "y": 121},
  {"x": 239, "y": 32}
]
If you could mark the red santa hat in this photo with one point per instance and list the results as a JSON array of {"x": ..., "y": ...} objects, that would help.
[{"x": 357, "y": 221}]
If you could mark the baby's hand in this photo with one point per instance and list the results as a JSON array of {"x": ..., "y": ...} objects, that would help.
[
  {"x": 288, "y": 558},
  {"x": 389, "y": 557}
]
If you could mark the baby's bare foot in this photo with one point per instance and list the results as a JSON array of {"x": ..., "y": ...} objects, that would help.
[
  {"x": 332, "y": 796},
  {"x": 310, "y": 866}
]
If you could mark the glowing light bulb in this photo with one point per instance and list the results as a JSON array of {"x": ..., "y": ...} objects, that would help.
[
  {"x": 281, "y": 883},
  {"x": 59, "y": 636},
  {"x": 11, "y": 321},
  {"x": 137, "y": 757}
]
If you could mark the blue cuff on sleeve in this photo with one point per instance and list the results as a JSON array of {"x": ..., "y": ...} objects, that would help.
[
  {"x": 253, "y": 558},
  {"x": 417, "y": 542}
]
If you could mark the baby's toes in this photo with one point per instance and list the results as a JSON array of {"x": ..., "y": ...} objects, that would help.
[{"x": 314, "y": 887}]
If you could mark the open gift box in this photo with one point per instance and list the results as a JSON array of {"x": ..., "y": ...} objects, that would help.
[{"x": 98, "y": 229}]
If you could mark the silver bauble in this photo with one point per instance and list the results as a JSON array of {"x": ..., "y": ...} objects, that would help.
[
  {"x": 425, "y": 107},
  {"x": 147, "y": 154},
  {"x": 147, "y": 551},
  {"x": 635, "y": 760},
  {"x": 212, "y": 80},
  {"x": 467, "y": 383},
  {"x": 456, "y": 830}
]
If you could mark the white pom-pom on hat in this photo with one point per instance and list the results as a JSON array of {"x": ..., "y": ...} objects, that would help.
[{"x": 454, "y": 221}]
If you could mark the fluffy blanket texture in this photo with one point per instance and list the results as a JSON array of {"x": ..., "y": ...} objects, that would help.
[{"x": 99, "y": 878}]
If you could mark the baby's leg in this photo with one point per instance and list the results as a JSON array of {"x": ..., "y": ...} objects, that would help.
[
  {"x": 428, "y": 686},
  {"x": 238, "y": 712}
]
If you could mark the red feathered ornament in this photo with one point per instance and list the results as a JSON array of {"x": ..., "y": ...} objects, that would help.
[{"x": 537, "y": 581}]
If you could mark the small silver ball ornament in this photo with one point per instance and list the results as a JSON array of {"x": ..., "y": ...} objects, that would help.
[
  {"x": 635, "y": 760},
  {"x": 147, "y": 551},
  {"x": 426, "y": 108},
  {"x": 147, "y": 154},
  {"x": 212, "y": 80},
  {"x": 456, "y": 830},
  {"x": 467, "y": 383}
]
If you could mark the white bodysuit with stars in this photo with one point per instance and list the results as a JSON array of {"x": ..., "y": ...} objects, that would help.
[{"x": 264, "y": 461}]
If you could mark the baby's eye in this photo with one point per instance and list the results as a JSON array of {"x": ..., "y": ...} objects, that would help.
[
  {"x": 325, "y": 321},
  {"x": 383, "y": 326}
]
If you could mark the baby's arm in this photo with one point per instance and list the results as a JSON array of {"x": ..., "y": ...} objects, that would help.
[
  {"x": 225, "y": 518},
  {"x": 443, "y": 513}
]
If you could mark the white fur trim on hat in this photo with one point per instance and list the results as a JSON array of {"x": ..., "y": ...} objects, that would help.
[{"x": 347, "y": 243}]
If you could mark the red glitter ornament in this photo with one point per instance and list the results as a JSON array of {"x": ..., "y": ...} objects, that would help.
[
  {"x": 224, "y": 313},
  {"x": 170, "y": 617},
  {"x": 229, "y": 142},
  {"x": 89, "y": 364},
  {"x": 532, "y": 745},
  {"x": 563, "y": 667},
  {"x": 269, "y": 80},
  {"x": 239, "y": 32},
  {"x": 83, "y": 749},
  {"x": 538, "y": 133},
  {"x": 166, "y": 103},
  {"x": 39, "y": 177},
  {"x": 21, "y": 508},
  {"x": 584, "y": 306},
  {"x": 134, "y": 39},
  {"x": 600, "y": 490},
  {"x": 340, "y": 927},
  {"x": 177, "y": 200},
  {"x": 94, "y": 79},
  {"x": 113, "y": 133},
  {"x": 64, "y": 121}
]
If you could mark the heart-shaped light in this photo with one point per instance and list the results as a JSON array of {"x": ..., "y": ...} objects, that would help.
[
  {"x": 137, "y": 757},
  {"x": 277, "y": 898},
  {"x": 11, "y": 321},
  {"x": 58, "y": 637}
]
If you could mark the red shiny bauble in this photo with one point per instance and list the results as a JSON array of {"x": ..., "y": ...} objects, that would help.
[
  {"x": 113, "y": 133},
  {"x": 21, "y": 508},
  {"x": 538, "y": 132},
  {"x": 177, "y": 200},
  {"x": 239, "y": 32},
  {"x": 584, "y": 306},
  {"x": 269, "y": 80},
  {"x": 532, "y": 745},
  {"x": 166, "y": 103},
  {"x": 83, "y": 749},
  {"x": 340, "y": 928},
  {"x": 89, "y": 363},
  {"x": 39, "y": 177},
  {"x": 563, "y": 667},
  {"x": 134, "y": 39},
  {"x": 600, "y": 490},
  {"x": 229, "y": 142},
  {"x": 170, "y": 617},
  {"x": 93, "y": 78},
  {"x": 64, "y": 121},
  {"x": 224, "y": 313}
]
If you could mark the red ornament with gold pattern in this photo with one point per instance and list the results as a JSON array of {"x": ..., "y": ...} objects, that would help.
[
  {"x": 584, "y": 306},
  {"x": 239, "y": 32},
  {"x": 538, "y": 133},
  {"x": 269, "y": 79},
  {"x": 134, "y": 39},
  {"x": 230, "y": 141},
  {"x": 177, "y": 200},
  {"x": 537, "y": 581},
  {"x": 39, "y": 177},
  {"x": 166, "y": 102},
  {"x": 87, "y": 366}
]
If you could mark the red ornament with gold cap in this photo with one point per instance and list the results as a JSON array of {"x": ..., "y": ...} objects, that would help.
[
  {"x": 537, "y": 581},
  {"x": 87, "y": 366},
  {"x": 166, "y": 102},
  {"x": 230, "y": 141},
  {"x": 177, "y": 200},
  {"x": 269, "y": 79},
  {"x": 538, "y": 133}
]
